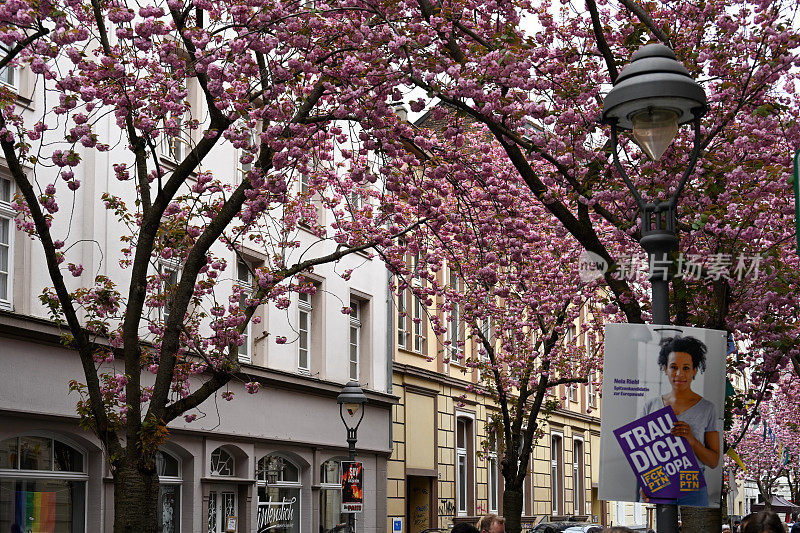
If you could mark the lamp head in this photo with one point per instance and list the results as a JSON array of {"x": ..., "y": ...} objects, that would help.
[
  {"x": 351, "y": 397},
  {"x": 652, "y": 96}
]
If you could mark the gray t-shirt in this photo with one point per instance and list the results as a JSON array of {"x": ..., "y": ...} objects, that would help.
[{"x": 701, "y": 417}]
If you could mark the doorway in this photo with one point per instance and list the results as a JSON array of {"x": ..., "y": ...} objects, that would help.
[
  {"x": 419, "y": 503},
  {"x": 222, "y": 504}
]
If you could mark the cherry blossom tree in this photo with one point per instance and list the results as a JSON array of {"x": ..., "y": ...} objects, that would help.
[{"x": 512, "y": 284}]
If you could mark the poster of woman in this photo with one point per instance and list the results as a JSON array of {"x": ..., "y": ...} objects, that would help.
[{"x": 662, "y": 414}]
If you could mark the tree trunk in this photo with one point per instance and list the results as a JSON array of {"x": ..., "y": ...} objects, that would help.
[
  {"x": 700, "y": 519},
  {"x": 512, "y": 509},
  {"x": 135, "y": 500}
]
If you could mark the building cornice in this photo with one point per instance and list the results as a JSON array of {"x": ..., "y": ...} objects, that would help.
[{"x": 46, "y": 332}]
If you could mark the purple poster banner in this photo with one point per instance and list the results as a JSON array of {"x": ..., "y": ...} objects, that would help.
[{"x": 665, "y": 465}]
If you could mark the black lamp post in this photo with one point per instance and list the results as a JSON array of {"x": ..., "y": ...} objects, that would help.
[
  {"x": 653, "y": 96},
  {"x": 351, "y": 399}
]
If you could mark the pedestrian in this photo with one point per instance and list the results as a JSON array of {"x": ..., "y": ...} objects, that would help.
[
  {"x": 464, "y": 527},
  {"x": 491, "y": 523},
  {"x": 762, "y": 522},
  {"x": 796, "y": 526}
]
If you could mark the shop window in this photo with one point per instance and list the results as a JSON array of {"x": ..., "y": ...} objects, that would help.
[
  {"x": 279, "y": 487},
  {"x": 222, "y": 463},
  {"x": 464, "y": 465},
  {"x": 6, "y": 243},
  {"x": 557, "y": 473},
  {"x": 42, "y": 485},
  {"x": 169, "y": 492},
  {"x": 330, "y": 496}
]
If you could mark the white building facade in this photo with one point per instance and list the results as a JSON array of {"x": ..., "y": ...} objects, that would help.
[{"x": 265, "y": 460}]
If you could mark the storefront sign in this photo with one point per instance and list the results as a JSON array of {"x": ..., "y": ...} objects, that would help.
[
  {"x": 352, "y": 487},
  {"x": 276, "y": 515},
  {"x": 665, "y": 465},
  {"x": 656, "y": 378}
]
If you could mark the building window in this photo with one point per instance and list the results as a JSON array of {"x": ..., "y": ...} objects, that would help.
[
  {"x": 330, "y": 495},
  {"x": 492, "y": 474},
  {"x": 222, "y": 463},
  {"x": 168, "y": 273},
  {"x": 454, "y": 331},
  {"x": 244, "y": 278},
  {"x": 572, "y": 388},
  {"x": 403, "y": 333},
  {"x": 591, "y": 391},
  {"x": 6, "y": 243},
  {"x": 279, "y": 487},
  {"x": 8, "y": 75},
  {"x": 557, "y": 473},
  {"x": 169, "y": 492},
  {"x": 42, "y": 485},
  {"x": 464, "y": 465},
  {"x": 174, "y": 148},
  {"x": 578, "y": 476},
  {"x": 304, "y": 322},
  {"x": 355, "y": 338},
  {"x": 245, "y": 153}
]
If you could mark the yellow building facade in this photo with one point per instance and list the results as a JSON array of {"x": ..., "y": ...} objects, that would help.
[{"x": 440, "y": 471}]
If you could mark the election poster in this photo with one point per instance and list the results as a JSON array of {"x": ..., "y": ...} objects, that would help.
[
  {"x": 352, "y": 487},
  {"x": 662, "y": 414}
]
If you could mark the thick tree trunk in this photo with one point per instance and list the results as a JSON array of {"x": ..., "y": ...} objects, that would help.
[
  {"x": 512, "y": 509},
  {"x": 135, "y": 500},
  {"x": 701, "y": 519}
]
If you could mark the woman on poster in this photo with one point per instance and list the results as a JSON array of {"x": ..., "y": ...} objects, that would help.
[{"x": 681, "y": 358}]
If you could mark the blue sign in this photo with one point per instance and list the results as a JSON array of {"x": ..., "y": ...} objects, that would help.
[{"x": 397, "y": 524}]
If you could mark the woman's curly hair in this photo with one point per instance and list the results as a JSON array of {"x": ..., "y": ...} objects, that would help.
[{"x": 690, "y": 345}]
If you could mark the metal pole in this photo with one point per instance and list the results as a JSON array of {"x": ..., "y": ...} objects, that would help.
[
  {"x": 659, "y": 243},
  {"x": 352, "y": 438}
]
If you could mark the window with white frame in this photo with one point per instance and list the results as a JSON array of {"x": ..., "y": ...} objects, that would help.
[
  {"x": 403, "y": 332},
  {"x": 572, "y": 389},
  {"x": 279, "y": 485},
  {"x": 304, "y": 320},
  {"x": 492, "y": 477},
  {"x": 454, "y": 332},
  {"x": 355, "y": 339},
  {"x": 244, "y": 168},
  {"x": 42, "y": 485},
  {"x": 591, "y": 391},
  {"x": 578, "y": 476},
  {"x": 557, "y": 473},
  {"x": 244, "y": 278},
  {"x": 330, "y": 495},
  {"x": 8, "y": 74},
  {"x": 6, "y": 244},
  {"x": 464, "y": 465},
  {"x": 169, "y": 272},
  {"x": 418, "y": 313},
  {"x": 174, "y": 147},
  {"x": 169, "y": 492}
]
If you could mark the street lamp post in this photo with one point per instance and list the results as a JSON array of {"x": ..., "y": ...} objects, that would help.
[
  {"x": 653, "y": 96},
  {"x": 351, "y": 399}
]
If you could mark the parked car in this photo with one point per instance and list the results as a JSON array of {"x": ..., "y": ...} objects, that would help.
[
  {"x": 584, "y": 528},
  {"x": 566, "y": 527}
]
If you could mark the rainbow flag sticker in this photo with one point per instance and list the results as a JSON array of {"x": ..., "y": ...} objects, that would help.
[{"x": 36, "y": 511}]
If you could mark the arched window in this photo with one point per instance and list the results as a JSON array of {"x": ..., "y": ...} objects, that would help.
[
  {"x": 169, "y": 492},
  {"x": 278, "y": 495},
  {"x": 222, "y": 463},
  {"x": 42, "y": 485}
]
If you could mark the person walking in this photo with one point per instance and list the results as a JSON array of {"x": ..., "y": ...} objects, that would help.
[
  {"x": 491, "y": 523},
  {"x": 763, "y": 522}
]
